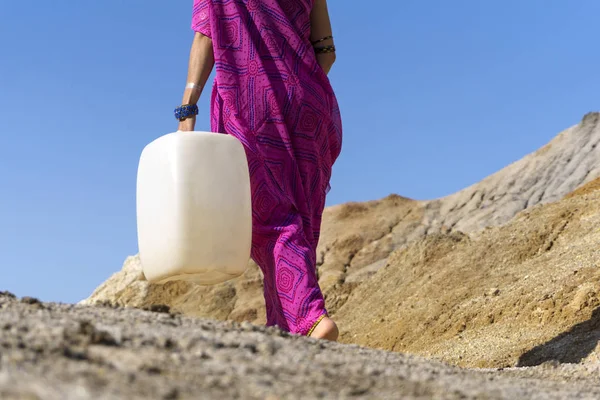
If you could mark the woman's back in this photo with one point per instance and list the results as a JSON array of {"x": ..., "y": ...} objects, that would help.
[
  {"x": 266, "y": 67},
  {"x": 271, "y": 92}
]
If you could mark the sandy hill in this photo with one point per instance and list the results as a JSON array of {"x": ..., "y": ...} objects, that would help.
[
  {"x": 520, "y": 294},
  {"x": 504, "y": 272}
]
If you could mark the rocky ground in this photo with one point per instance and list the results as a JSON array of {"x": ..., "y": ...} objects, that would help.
[{"x": 51, "y": 351}]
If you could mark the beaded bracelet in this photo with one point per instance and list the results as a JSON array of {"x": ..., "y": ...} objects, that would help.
[
  {"x": 326, "y": 49},
  {"x": 322, "y": 39},
  {"x": 185, "y": 111}
]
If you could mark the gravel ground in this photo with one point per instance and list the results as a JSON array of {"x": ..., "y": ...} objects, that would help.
[{"x": 53, "y": 351}]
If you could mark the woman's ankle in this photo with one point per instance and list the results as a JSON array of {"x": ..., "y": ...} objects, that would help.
[{"x": 326, "y": 329}]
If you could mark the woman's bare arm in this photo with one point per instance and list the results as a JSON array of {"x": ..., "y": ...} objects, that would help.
[
  {"x": 320, "y": 28},
  {"x": 202, "y": 61}
]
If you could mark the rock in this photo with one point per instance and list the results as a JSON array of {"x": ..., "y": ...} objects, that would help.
[{"x": 158, "y": 308}]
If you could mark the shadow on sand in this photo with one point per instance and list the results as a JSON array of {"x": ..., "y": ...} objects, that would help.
[{"x": 568, "y": 347}]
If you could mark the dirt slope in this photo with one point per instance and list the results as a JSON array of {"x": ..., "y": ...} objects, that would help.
[
  {"x": 520, "y": 294},
  {"x": 441, "y": 238}
]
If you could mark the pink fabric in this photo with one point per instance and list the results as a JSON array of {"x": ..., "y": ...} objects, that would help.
[{"x": 271, "y": 94}]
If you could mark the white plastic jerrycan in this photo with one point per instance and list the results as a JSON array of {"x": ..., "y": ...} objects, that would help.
[{"x": 194, "y": 217}]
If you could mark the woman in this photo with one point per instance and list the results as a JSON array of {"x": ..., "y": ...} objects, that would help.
[{"x": 271, "y": 91}]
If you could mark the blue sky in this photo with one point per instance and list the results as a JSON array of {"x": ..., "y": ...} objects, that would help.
[{"x": 435, "y": 95}]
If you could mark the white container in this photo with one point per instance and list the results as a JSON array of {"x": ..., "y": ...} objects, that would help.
[{"x": 194, "y": 218}]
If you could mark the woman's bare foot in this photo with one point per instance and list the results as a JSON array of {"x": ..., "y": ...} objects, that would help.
[{"x": 326, "y": 329}]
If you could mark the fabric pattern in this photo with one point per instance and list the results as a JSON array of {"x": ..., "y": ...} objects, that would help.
[{"x": 271, "y": 94}]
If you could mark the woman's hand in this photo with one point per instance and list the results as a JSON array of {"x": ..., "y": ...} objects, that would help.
[{"x": 188, "y": 124}]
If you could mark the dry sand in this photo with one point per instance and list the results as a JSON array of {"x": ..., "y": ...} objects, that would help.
[{"x": 520, "y": 294}]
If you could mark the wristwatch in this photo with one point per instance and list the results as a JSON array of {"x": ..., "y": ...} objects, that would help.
[{"x": 185, "y": 111}]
